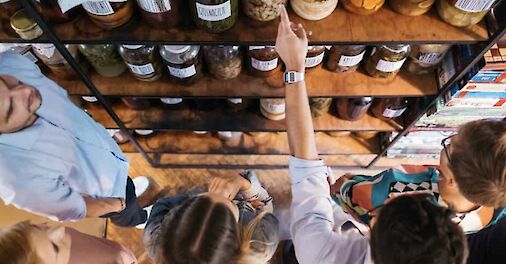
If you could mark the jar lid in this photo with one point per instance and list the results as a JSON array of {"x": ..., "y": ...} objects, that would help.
[
  {"x": 235, "y": 100},
  {"x": 176, "y": 49},
  {"x": 90, "y": 99},
  {"x": 132, "y": 46},
  {"x": 171, "y": 101},
  {"x": 20, "y": 21},
  {"x": 144, "y": 132}
]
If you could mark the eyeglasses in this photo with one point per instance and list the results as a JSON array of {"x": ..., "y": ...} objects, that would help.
[{"x": 446, "y": 146}]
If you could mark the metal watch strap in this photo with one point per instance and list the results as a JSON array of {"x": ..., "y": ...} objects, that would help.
[{"x": 293, "y": 77}]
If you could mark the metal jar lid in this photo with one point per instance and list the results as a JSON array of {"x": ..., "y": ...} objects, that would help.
[{"x": 20, "y": 21}]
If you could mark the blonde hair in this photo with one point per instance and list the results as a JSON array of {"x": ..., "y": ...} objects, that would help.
[
  {"x": 15, "y": 245},
  {"x": 255, "y": 251}
]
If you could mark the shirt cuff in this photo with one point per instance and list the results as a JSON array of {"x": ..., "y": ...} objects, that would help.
[{"x": 301, "y": 169}]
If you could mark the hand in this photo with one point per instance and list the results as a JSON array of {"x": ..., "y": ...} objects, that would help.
[
  {"x": 229, "y": 186},
  {"x": 291, "y": 43}
]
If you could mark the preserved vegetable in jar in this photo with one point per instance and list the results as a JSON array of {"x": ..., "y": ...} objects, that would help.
[
  {"x": 389, "y": 108},
  {"x": 162, "y": 13},
  {"x": 463, "y": 13},
  {"x": 53, "y": 59},
  {"x": 183, "y": 63},
  {"x": 104, "y": 59},
  {"x": 25, "y": 26},
  {"x": 386, "y": 61},
  {"x": 263, "y": 61},
  {"x": 51, "y": 11},
  {"x": 273, "y": 109},
  {"x": 363, "y": 7},
  {"x": 411, "y": 7},
  {"x": 262, "y": 10},
  {"x": 314, "y": 56},
  {"x": 313, "y": 9},
  {"x": 319, "y": 106},
  {"x": 345, "y": 58},
  {"x": 142, "y": 61},
  {"x": 215, "y": 16},
  {"x": 109, "y": 14},
  {"x": 8, "y": 8},
  {"x": 223, "y": 62},
  {"x": 353, "y": 108},
  {"x": 424, "y": 58}
]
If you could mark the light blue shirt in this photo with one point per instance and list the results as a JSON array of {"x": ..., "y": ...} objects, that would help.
[{"x": 47, "y": 167}]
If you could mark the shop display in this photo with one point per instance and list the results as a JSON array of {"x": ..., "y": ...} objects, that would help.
[
  {"x": 411, "y": 7},
  {"x": 223, "y": 62},
  {"x": 215, "y": 16},
  {"x": 424, "y": 58},
  {"x": 366, "y": 134},
  {"x": 386, "y": 61},
  {"x": 463, "y": 13},
  {"x": 313, "y": 9},
  {"x": 353, "y": 108},
  {"x": 238, "y": 104},
  {"x": 363, "y": 7},
  {"x": 173, "y": 103},
  {"x": 262, "y": 10},
  {"x": 389, "y": 108},
  {"x": 136, "y": 103},
  {"x": 8, "y": 8},
  {"x": 183, "y": 63},
  {"x": 319, "y": 106},
  {"x": 51, "y": 11},
  {"x": 273, "y": 109},
  {"x": 162, "y": 13},
  {"x": 229, "y": 135},
  {"x": 314, "y": 56},
  {"x": 53, "y": 59},
  {"x": 263, "y": 61},
  {"x": 143, "y": 61},
  {"x": 109, "y": 14},
  {"x": 345, "y": 58},
  {"x": 104, "y": 58},
  {"x": 25, "y": 26}
]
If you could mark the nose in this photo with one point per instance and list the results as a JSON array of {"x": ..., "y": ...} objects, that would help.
[{"x": 22, "y": 93}]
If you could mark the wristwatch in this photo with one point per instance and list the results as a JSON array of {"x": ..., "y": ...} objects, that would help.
[{"x": 293, "y": 77}]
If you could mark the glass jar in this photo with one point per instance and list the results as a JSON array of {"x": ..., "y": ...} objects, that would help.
[
  {"x": 223, "y": 62},
  {"x": 314, "y": 57},
  {"x": 8, "y": 8},
  {"x": 345, "y": 58},
  {"x": 108, "y": 14},
  {"x": 162, "y": 14},
  {"x": 319, "y": 106},
  {"x": 262, "y": 10},
  {"x": 104, "y": 58},
  {"x": 51, "y": 11},
  {"x": 463, "y": 13},
  {"x": 353, "y": 108},
  {"x": 215, "y": 16},
  {"x": 53, "y": 59},
  {"x": 183, "y": 63},
  {"x": 363, "y": 7},
  {"x": 25, "y": 26},
  {"x": 387, "y": 61},
  {"x": 263, "y": 61},
  {"x": 389, "y": 108},
  {"x": 424, "y": 58},
  {"x": 142, "y": 61},
  {"x": 273, "y": 109},
  {"x": 136, "y": 103},
  {"x": 173, "y": 103},
  {"x": 411, "y": 7},
  {"x": 313, "y": 9}
]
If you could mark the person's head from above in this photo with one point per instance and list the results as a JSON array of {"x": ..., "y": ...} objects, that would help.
[
  {"x": 27, "y": 243},
  {"x": 18, "y": 104},
  {"x": 412, "y": 229},
  {"x": 473, "y": 166}
]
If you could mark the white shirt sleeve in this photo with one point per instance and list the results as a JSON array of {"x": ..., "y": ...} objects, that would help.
[{"x": 313, "y": 220}]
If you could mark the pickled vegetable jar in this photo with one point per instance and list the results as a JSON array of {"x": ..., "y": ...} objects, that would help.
[
  {"x": 386, "y": 61},
  {"x": 363, "y": 7},
  {"x": 411, "y": 7},
  {"x": 215, "y": 16},
  {"x": 109, "y": 14},
  {"x": 262, "y": 10},
  {"x": 162, "y": 13},
  {"x": 223, "y": 62},
  {"x": 389, "y": 108},
  {"x": 183, "y": 63},
  {"x": 345, "y": 58},
  {"x": 53, "y": 59},
  {"x": 263, "y": 61},
  {"x": 463, "y": 13},
  {"x": 314, "y": 56},
  {"x": 353, "y": 108},
  {"x": 51, "y": 11},
  {"x": 319, "y": 106},
  {"x": 273, "y": 109},
  {"x": 105, "y": 59},
  {"x": 424, "y": 58},
  {"x": 313, "y": 9},
  {"x": 8, "y": 8},
  {"x": 143, "y": 61}
]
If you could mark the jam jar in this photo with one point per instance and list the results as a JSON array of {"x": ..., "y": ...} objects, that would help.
[
  {"x": 53, "y": 59},
  {"x": 25, "y": 26},
  {"x": 143, "y": 61},
  {"x": 162, "y": 13},
  {"x": 345, "y": 58},
  {"x": 313, "y": 9},
  {"x": 411, "y": 7},
  {"x": 424, "y": 58},
  {"x": 8, "y": 8},
  {"x": 214, "y": 16},
  {"x": 183, "y": 63},
  {"x": 51, "y": 11},
  {"x": 389, "y": 108},
  {"x": 223, "y": 62},
  {"x": 104, "y": 58},
  {"x": 262, "y": 10},
  {"x": 109, "y": 14},
  {"x": 263, "y": 61},
  {"x": 314, "y": 56},
  {"x": 463, "y": 13},
  {"x": 386, "y": 61},
  {"x": 363, "y": 7},
  {"x": 353, "y": 108},
  {"x": 319, "y": 106}
]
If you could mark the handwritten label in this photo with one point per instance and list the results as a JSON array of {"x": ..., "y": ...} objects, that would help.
[
  {"x": 214, "y": 13},
  {"x": 389, "y": 66},
  {"x": 102, "y": 8},
  {"x": 474, "y": 5},
  {"x": 350, "y": 61},
  {"x": 393, "y": 113},
  {"x": 430, "y": 58},
  {"x": 183, "y": 73},
  {"x": 142, "y": 69},
  {"x": 264, "y": 65},
  {"x": 154, "y": 6},
  {"x": 46, "y": 50},
  {"x": 314, "y": 61}
]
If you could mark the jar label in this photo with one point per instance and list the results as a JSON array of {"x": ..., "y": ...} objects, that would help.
[
  {"x": 314, "y": 61},
  {"x": 474, "y": 5},
  {"x": 275, "y": 108},
  {"x": 183, "y": 73},
  {"x": 389, "y": 66},
  {"x": 430, "y": 58},
  {"x": 393, "y": 113},
  {"x": 154, "y": 6},
  {"x": 66, "y": 5},
  {"x": 90, "y": 99},
  {"x": 142, "y": 69},
  {"x": 31, "y": 57},
  {"x": 235, "y": 100},
  {"x": 328, "y": 47},
  {"x": 47, "y": 50},
  {"x": 264, "y": 65},
  {"x": 350, "y": 61},
  {"x": 171, "y": 101},
  {"x": 256, "y": 47},
  {"x": 214, "y": 13},
  {"x": 101, "y": 8}
]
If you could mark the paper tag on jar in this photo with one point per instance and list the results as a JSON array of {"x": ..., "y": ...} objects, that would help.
[
  {"x": 142, "y": 69},
  {"x": 66, "y": 5},
  {"x": 430, "y": 58},
  {"x": 389, "y": 66},
  {"x": 214, "y": 13},
  {"x": 474, "y": 5},
  {"x": 102, "y": 8},
  {"x": 31, "y": 57},
  {"x": 350, "y": 61},
  {"x": 154, "y": 6},
  {"x": 235, "y": 100},
  {"x": 393, "y": 113},
  {"x": 183, "y": 73},
  {"x": 275, "y": 108},
  {"x": 264, "y": 65},
  {"x": 47, "y": 50},
  {"x": 314, "y": 61}
]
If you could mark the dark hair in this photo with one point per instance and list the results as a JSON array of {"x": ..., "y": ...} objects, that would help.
[
  {"x": 200, "y": 231},
  {"x": 411, "y": 229}
]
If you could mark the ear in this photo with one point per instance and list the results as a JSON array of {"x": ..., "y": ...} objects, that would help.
[{"x": 56, "y": 234}]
